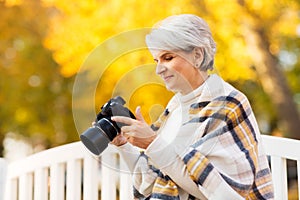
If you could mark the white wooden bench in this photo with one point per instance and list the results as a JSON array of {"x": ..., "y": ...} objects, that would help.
[
  {"x": 70, "y": 172},
  {"x": 67, "y": 172},
  {"x": 279, "y": 150}
]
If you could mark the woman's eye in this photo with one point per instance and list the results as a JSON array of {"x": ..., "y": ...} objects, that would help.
[{"x": 169, "y": 58}]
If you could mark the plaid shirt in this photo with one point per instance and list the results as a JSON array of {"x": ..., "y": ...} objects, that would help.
[{"x": 217, "y": 153}]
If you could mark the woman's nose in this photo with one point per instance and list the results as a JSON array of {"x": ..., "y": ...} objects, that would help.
[{"x": 160, "y": 68}]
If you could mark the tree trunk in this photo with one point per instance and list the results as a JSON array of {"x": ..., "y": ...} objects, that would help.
[{"x": 273, "y": 81}]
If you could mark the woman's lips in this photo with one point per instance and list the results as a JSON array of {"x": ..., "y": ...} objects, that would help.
[{"x": 167, "y": 78}]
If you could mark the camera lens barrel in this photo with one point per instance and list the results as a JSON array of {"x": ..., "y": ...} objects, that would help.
[
  {"x": 107, "y": 128},
  {"x": 94, "y": 140},
  {"x": 97, "y": 138}
]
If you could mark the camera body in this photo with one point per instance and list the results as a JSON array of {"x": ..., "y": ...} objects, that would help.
[{"x": 104, "y": 130}]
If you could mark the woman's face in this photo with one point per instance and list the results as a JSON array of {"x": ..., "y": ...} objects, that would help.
[{"x": 178, "y": 71}]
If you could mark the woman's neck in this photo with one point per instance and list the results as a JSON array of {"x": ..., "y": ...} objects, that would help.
[{"x": 195, "y": 82}]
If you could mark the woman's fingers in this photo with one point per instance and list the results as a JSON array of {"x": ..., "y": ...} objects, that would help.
[
  {"x": 138, "y": 114},
  {"x": 128, "y": 120},
  {"x": 124, "y": 120},
  {"x": 127, "y": 131},
  {"x": 136, "y": 131},
  {"x": 119, "y": 140}
]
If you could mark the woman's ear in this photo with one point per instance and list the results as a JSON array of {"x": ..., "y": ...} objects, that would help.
[{"x": 198, "y": 54}]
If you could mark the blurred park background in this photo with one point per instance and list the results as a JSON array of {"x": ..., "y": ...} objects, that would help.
[{"x": 43, "y": 43}]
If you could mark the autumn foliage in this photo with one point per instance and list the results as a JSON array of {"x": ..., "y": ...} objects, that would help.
[{"x": 48, "y": 45}]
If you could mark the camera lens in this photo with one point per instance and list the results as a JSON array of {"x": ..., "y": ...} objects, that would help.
[
  {"x": 95, "y": 140},
  {"x": 108, "y": 128}
]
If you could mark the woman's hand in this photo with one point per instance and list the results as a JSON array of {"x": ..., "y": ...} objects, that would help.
[
  {"x": 119, "y": 140},
  {"x": 137, "y": 132}
]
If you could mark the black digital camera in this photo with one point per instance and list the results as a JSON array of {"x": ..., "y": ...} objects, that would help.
[{"x": 104, "y": 130}]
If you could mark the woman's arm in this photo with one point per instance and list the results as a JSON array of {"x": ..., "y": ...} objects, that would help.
[
  {"x": 130, "y": 155},
  {"x": 216, "y": 151},
  {"x": 140, "y": 134},
  {"x": 173, "y": 161}
]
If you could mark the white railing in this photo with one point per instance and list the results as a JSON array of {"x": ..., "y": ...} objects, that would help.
[
  {"x": 70, "y": 172},
  {"x": 279, "y": 150}
]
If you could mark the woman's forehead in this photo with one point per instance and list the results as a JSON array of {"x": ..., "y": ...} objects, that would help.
[{"x": 157, "y": 53}]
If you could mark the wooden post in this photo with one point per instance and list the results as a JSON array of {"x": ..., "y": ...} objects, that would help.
[{"x": 3, "y": 169}]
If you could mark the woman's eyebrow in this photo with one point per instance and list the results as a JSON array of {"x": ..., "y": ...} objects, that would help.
[{"x": 162, "y": 55}]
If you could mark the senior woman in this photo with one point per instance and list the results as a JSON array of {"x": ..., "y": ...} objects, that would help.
[{"x": 206, "y": 145}]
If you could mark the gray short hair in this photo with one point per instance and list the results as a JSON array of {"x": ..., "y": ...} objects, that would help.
[{"x": 184, "y": 32}]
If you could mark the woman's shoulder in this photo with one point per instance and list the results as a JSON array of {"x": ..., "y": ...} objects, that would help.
[{"x": 216, "y": 88}]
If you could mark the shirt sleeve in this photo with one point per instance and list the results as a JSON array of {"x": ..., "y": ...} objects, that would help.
[
  {"x": 213, "y": 155},
  {"x": 142, "y": 173},
  {"x": 130, "y": 154}
]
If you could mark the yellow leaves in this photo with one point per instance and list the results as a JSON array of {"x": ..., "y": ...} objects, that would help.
[
  {"x": 13, "y": 2},
  {"x": 146, "y": 96},
  {"x": 281, "y": 17},
  {"x": 79, "y": 26},
  {"x": 225, "y": 23},
  {"x": 68, "y": 7},
  {"x": 22, "y": 115},
  {"x": 281, "y": 27},
  {"x": 228, "y": 22},
  {"x": 126, "y": 74},
  {"x": 223, "y": 10},
  {"x": 74, "y": 43}
]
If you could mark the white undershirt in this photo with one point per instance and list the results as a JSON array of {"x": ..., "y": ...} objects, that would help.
[{"x": 178, "y": 107}]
